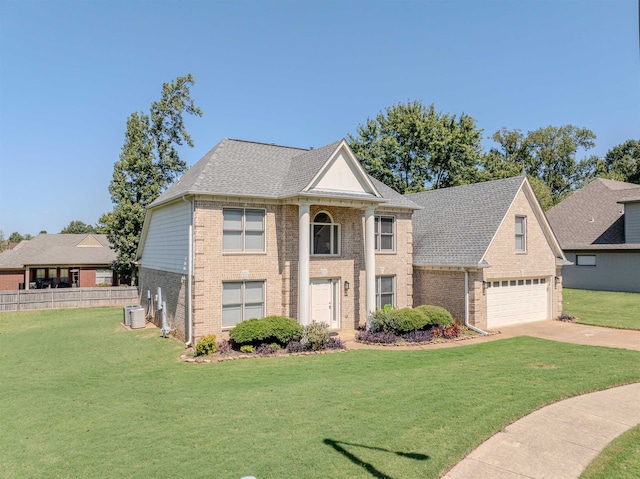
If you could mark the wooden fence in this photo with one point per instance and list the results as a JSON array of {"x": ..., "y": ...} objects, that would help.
[{"x": 27, "y": 300}]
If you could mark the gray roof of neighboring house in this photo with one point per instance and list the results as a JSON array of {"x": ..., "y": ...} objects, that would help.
[
  {"x": 456, "y": 225},
  {"x": 592, "y": 218},
  {"x": 59, "y": 249},
  {"x": 261, "y": 170}
]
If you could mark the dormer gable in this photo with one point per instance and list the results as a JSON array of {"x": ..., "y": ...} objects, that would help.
[
  {"x": 89, "y": 241},
  {"x": 342, "y": 173}
]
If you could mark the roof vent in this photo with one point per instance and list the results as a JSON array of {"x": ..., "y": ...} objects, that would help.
[
  {"x": 592, "y": 220},
  {"x": 311, "y": 147}
]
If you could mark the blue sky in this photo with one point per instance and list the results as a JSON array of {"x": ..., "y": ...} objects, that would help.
[{"x": 297, "y": 73}]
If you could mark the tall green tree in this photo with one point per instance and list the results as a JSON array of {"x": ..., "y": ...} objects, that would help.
[
  {"x": 547, "y": 155},
  {"x": 148, "y": 163},
  {"x": 411, "y": 147},
  {"x": 622, "y": 163},
  {"x": 77, "y": 227}
]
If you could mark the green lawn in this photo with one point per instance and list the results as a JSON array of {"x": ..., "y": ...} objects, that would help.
[
  {"x": 82, "y": 397},
  {"x": 620, "y": 459},
  {"x": 603, "y": 308}
]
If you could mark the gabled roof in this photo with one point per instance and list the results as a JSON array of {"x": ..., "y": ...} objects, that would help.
[
  {"x": 592, "y": 217},
  {"x": 457, "y": 225},
  {"x": 59, "y": 249},
  {"x": 259, "y": 170}
]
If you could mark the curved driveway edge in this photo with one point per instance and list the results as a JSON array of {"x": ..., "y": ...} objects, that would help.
[{"x": 557, "y": 441}]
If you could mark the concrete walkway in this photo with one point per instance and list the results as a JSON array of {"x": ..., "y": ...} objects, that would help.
[
  {"x": 560, "y": 440},
  {"x": 557, "y": 441}
]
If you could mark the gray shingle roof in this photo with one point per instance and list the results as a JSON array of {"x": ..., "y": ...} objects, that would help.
[
  {"x": 456, "y": 225},
  {"x": 58, "y": 249},
  {"x": 592, "y": 218},
  {"x": 260, "y": 170}
]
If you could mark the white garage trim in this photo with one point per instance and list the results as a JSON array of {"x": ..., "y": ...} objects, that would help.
[{"x": 516, "y": 301}]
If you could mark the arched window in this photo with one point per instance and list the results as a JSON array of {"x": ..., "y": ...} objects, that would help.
[{"x": 325, "y": 235}]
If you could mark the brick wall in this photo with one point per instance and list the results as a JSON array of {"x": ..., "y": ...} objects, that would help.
[
  {"x": 440, "y": 288},
  {"x": 278, "y": 266},
  {"x": 10, "y": 280},
  {"x": 87, "y": 278}
]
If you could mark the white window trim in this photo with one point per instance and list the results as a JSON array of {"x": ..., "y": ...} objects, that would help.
[
  {"x": 243, "y": 231},
  {"x": 243, "y": 303},
  {"x": 378, "y": 235},
  {"x": 523, "y": 234},
  {"x": 379, "y": 286},
  {"x": 332, "y": 238},
  {"x": 578, "y": 256}
]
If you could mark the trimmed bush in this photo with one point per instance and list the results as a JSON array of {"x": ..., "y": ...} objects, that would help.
[
  {"x": 315, "y": 336},
  {"x": 272, "y": 329},
  {"x": 207, "y": 345},
  {"x": 247, "y": 348},
  {"x": 399, "y": 321},
  {"x": 436, "y": 315}
]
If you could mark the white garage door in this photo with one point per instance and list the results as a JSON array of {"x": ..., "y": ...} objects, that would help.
[{"x": 516, "y": 301}]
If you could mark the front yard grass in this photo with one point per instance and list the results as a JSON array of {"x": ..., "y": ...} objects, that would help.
[
  {"x": 620, "y": 459},
  {"x": 83, "y": 397},
  {"x": 603, "y": 308}
]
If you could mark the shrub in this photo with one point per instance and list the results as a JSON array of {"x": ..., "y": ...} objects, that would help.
[
  {"x": 278, "y": 329},
  {"x": 315, "y": 336},
  {"x": 295, "y": 347},
  {"x": 399, "y": 321},
  {"x": 268, "y": 349},
  {"x": 451, "y": 332},
  {"x": 386, "y": 320},
  {"x": 224, "y": 347},
  {"x": 334, "y": 343},
  {"x": 376, "y": 337},
  {"x": 420, "y": 336},
  {"x": 207, "y": 345},
  {"x": 437, "y": 316},
  {"x": 412, "y": 320},
  {"x": 247, "y": 348}
]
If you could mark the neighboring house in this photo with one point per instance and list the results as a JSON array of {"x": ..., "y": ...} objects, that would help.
[
  {"x": 598, "y": 228},
  {"x": 255, "y": 229},
  {"x": 486, "y": 253},
  {"x": 58, "y": 261}
]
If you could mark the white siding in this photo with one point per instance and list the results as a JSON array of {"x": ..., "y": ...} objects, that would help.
[
  {"x": 632, "y": 223},
  {"x": 167, "y": 244}
]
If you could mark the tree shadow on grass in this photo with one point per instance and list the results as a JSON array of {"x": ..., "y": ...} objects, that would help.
[{"x": 338, "y": 446}]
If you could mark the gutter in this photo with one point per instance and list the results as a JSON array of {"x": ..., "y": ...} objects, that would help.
[{"x": 466, "y": 305}]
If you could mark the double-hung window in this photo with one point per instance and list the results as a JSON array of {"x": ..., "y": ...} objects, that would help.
[
  {"x": 521, "y": 234},
  {"x": 243, "y": 230},
  {"x": 241, "y": 300},
  {"x": 385, "y": 291},
  {"x": 325, "y": 236},
  {"x": 103, "y": 276},
  {"x": 384, "y": 233}
]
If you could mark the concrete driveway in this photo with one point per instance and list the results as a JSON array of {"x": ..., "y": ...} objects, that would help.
[{"x": 575, "y": 333}]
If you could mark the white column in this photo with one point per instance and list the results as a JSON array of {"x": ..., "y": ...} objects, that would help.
[
  {"x": 26, "y": 278},
  {"x": 370, "y": 261},
  {"x": 303, "y": 264}
]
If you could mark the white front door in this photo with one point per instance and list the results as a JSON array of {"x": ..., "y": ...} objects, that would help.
[{"x": 325, "y": 302}]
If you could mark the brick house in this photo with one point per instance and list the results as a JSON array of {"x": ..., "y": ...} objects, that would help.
[
  {"x": 256, "y": 229},
  {"x": 58, "y": 260},
  {"x": 486, "y": 253}
]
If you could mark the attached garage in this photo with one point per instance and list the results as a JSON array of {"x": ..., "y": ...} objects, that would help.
[{"x": 517, "y": 301}]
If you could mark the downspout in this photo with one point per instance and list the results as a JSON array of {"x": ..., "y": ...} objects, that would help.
[
  {"x": 189, "y": 322},
  {"x": 466, "y": 305}
]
